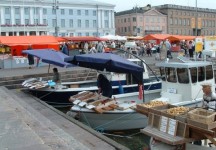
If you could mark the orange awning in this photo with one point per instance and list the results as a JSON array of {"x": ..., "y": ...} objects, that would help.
[
  {"x": 156, "y": 37},
  {"x": 85, "y": 38},
  {"x": 180, "y": 37},
  {"x": 28, "y": 40}
]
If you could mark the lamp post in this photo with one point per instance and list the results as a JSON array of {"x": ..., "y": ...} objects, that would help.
[
  {"x": 56, "y": 7},
  {"x": 196, "y": 20}
]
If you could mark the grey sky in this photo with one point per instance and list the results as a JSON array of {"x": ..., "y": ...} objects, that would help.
[{"x": 129, "y": 4}]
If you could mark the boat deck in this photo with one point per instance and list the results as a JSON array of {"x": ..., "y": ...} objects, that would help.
[{"x": 28, "y": 123}]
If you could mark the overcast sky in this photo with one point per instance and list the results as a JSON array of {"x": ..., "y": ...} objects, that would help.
[{"x": 129, "y": 4}]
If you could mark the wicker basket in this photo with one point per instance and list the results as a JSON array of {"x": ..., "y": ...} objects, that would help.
[{"x": 202, "y": 115}]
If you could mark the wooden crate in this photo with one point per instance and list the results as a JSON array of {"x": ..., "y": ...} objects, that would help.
[
  {"x": 146, "y": 110},
  {"x": 173, "y": 116},
  {"x": 202, "y": 115},
  {"x": 165, "y": 125},
  {"x": 158, "y": 109}
]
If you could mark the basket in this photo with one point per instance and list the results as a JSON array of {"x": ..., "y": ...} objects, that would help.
[{"x": 202, "y": 115}]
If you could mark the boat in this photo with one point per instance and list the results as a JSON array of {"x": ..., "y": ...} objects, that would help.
[
  {"x": 121, "y": 84},
  {"x": 181, "y": 86}
]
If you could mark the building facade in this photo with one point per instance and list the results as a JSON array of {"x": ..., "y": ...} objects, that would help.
[
  {"x": 184, "y": 20},
  {"x": 140, "y": 21},
  {"x": 56, "y": 17}
]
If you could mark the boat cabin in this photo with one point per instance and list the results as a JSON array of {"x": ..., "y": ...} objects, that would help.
[{"x": 181, "y": 82}]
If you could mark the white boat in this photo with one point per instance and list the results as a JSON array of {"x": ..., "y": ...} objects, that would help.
[
  {"x": 181, "y": 85},
  {"x": 60, "y": 94}
]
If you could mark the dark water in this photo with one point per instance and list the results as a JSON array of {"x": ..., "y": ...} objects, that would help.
[{"x": 133, "y": 139}]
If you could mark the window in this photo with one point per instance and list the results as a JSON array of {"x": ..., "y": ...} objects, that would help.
[
  {"x": 128, "y": 19},
  {"x": 134, "y": 19},
  {"x": 62, "y": 22},
  {"x": 125, "y": 20},
  {"x": 182, "y": 74},
  {"x": 79, "y": 34},
  {"x": 170, "y": 74},
  {"x": 79, "y": 23},
  {"x": 44, "y": 21},
  {"x": 62, "y": 11},
  {"x": 201, "y": 74},
  {"x": 129, "y": 29},
  {"x": 86, "y": 12},
  {"x": 17, "y": 11},
  {"x": 70, "y": 11},
  {"x": 71, "y": 23},
  {"x": 125, "y": 29},
  {"x": 171, "y": 21},
  {"x": 36, "y": 11},
  {"x": 53, "y": 11},
  {"x": 180, "y": 21},
  {"x": 106, "y": 13},
  {"x": 94, "y": 13},
  {"x": 44, "y": 11},
  {"x": 209, "y": 72},
  {"x": 36, "y": 21},
  {"x": 26, "y": 21},
  {"x": 87, "y": 33},
  {"x": 7, "y": 21},
  {"x": 87, "y": 23},
  {"x": 79, "y": 12},
  {"x": 141, "y": 19},
  {"x": 147, "y": 20},
  {"x": 94, "y": 23},
  {"x": 162, "y": 73},
  {"x": 17, "y": 21},
  {"x": 7, "y": 10},
  {"x": 27, "y": 11},
  {"x": 106, "y": 22},
  {"x": 176, "y": 21}
]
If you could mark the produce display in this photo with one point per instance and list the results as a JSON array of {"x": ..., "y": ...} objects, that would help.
[
  {"x": 177, "y": 110},
  {"x": 154, "y": 104}
]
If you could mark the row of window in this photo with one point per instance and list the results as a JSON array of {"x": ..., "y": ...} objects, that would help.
[
  {"x": 193, "y": 14},
  {"x": 147, "y": 20},
  {"x": 128, "y": 29},
  {"x": 188, "y": 22},
  {"x": 197, "y": 74},
  {"x": 190, "y": 32},
  {"x": 63, "y": 22},
  {"x": 62, "y": 11}
]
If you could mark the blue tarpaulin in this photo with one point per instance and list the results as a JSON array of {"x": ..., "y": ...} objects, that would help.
[
  {"x": 50, "y": 56},
  {"x": 109, "y": 62}
]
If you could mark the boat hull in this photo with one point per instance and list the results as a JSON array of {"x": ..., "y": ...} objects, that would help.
[
  {"x": 61, "y": 97},
  {"x": 110, "y": 121}
]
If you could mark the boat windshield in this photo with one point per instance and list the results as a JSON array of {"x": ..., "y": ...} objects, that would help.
[
  {"x": 183, "y": 76},
  {"x": 171, "y": 74}
]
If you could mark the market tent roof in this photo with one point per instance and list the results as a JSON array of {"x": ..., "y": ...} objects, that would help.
[
  {"x": 84, "y": 38},
  {"x": 109, "y": 62},
  {"x": 180, "y": 37},
  {"x": 61, "y": 39},
  {"x": 134, "y": 37},
  {"x": 156, "y": 37},
  {"x": 27, "y": 40},
  {"x": 114, "y": 37}
]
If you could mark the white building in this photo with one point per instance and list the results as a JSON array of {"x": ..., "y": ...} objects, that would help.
[{"x": 74, "y": 17}]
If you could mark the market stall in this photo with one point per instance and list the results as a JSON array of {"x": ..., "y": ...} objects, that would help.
[{"x": 177, "y": 125}]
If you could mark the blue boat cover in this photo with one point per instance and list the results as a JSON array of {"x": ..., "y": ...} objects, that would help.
[
  {"x": 110, "y": 62},
  {"x": 50, "y": 56}
]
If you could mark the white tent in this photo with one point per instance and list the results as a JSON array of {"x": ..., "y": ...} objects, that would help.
[{"x": 114, "y": 37}]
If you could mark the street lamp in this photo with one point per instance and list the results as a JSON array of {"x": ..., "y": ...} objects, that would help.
[
  {"x": 196, "y": 20},
  {"x": 56, "y": 7}
]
